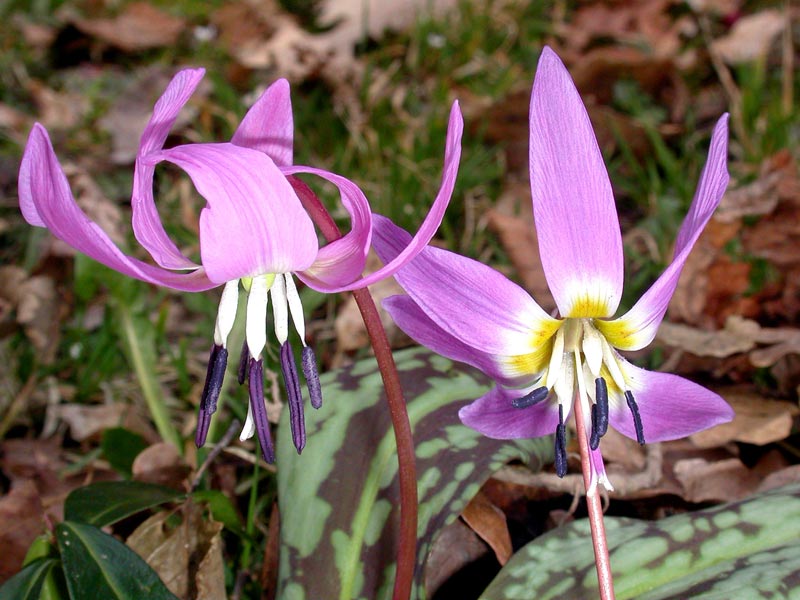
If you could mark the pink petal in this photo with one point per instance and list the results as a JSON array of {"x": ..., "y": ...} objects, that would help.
[
  {"x": 467, "y": 299},
  {"x": 452, "y": 156},
  {"x": 671, "y": 407},
  {"x": 147, "y": 226},
  {"x": 341, "y": 261},
  {"x": 412, "y": 319},
  {"x": 576, "y": 219},
  {"x": 46, "y": 201},
  {"x": 637, "y": 328},
  {"x": 269, "y": 125},
  {"x": 253, "y": 222},
  {"x": 495, "y": 417}
]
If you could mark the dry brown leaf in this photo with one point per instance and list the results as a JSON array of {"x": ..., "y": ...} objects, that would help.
[
  {"x": 750, "y": 37},
  {"x": 37, "y": 307},
  {"x": 179, "y": 553},
  {"x": 489, "y": 522},
  {"x": 58, "y": 110},
  {"x": 139, "y": 26},
  {"x": 86, "y": 421},
  {"x": 758, "y": 420},
  {"x": 724, "y": 342},
  {"x": 785, "y": 476},
  {"x": 622, "y": 451},
  {"x": 161, "y": 464},
  {"x": 719, "y": 481},
  {"x": 455, "y": 547},
  {"x": 294, "y": 53},
  {"x": 21, "y": 520}
]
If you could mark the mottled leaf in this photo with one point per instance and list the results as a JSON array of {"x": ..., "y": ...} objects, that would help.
[
  {"x": 714, "y": 553},
  {"x": 97, "y": 565},
  {"x": 339, "y": 500},
  {"x": 27, "y": 584},
  {"x": 107, "y": 502}
]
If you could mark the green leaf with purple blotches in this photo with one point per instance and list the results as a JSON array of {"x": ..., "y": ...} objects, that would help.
[
  {"x": 339, "y": 499},
  {"x": 714, "y": 553}
]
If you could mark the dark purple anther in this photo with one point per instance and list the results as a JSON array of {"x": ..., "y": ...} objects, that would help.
[
  {"x": 312, "y": 376},
  {"x": 637, "y": 419},
  {"x": 244, "y": 360},
  {"x": 561, "y": 444},
  {"x": 294, "y": 397},
  {"x": 599, "y": 413},
  {"x": 260, "y": 410},
  {"x": 215, "y": 373},
  {"x": 534, "y": 397}
]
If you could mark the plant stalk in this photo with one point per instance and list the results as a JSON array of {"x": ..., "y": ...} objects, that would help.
[
  {"x": 407, "y": 471},
  {"x": 595, "y": 507}
]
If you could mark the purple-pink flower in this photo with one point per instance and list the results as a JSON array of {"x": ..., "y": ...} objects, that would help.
[
  {"x": 469, "y": 312},
  {"x": 254, "y": 232}
]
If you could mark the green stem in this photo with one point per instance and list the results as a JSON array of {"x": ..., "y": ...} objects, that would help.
[{"x": 145, "y": 373}]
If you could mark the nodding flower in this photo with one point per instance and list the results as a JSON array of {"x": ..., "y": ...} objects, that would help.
[{"x": 253, "y": 232}]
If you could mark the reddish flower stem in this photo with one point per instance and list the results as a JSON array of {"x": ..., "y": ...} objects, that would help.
[
  {"x": 407, "y": 470},
  {"x": 595, "y": 508}
]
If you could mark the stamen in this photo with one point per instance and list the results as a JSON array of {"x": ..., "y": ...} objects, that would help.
[
  {"x": 309, "y": 361},
  {"x": 244, "y": 360},
  {"x": 534, "y": 397},
  {"x": 294, "y": 396},
  {"x": 255, "y": 324},
  {"x": 561, "y": 444},
  {"x": 215, "y": 373},
  {"x": 295, "y": 307},
  {"x": 599, "y": 412},
  {"x": 226, "y": 314},
  {"x": 637, "y": 419},
  {"x": 280, "y": 308},
  {"x": 260, "y": 410}
]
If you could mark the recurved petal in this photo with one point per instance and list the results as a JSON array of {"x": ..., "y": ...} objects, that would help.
[
  {"x": 467, "y": 299},
  {"x": 253, "y": 222},
  {"x": 147, "y": 226},
  {"x": 452, "y": 156},
  {"x": 670, "y": 406},
  {"x": 46, "y": 201},
  {"x": 342, "y": 261},
  {"x": 637, "y": 328},
  {"x": 269, "y": 125},
  {"x": 412, "y": 319},
  {"x": 576, "y": 219},
  {"x": 495, "y": 417}
]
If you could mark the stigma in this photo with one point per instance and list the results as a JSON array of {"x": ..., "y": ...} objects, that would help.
[{"x": 286, "y": 306}]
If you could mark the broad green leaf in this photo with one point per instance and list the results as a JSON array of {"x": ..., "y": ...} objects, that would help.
[
  {"x": 106, "y": 502},
  {"x": 120, "y": 448},
  {"x": 97, "y": 565},
  {"x": 714, "y": 553},
  {"x": 27, "y": 584},
  {"x": 339, "y": 500}
]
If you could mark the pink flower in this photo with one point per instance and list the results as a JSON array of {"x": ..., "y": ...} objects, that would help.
[
  {"x": 467, "y": 311},
  {"x": 254, "y": 231}
]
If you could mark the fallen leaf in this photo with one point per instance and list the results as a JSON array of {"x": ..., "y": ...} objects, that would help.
[
  {"x": 161, "y": 464},
  {"x": 750, "y": 37},
  {"x": 720, "y": 481},
  {"x": 489, "y": 522},
  {"x": 758, "y": 420},
  {"x": 178, "y": 553},
  {"x": 785, "y": 476},
  {"x": 139, "y": 26},
  {"x": 86, "y": 421},
  {"x": 455, "y": 547},
  {"x": 21, "y": 520},
  {"x": 37, "y": 307},
  {"x": 58, "y": 110}
]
